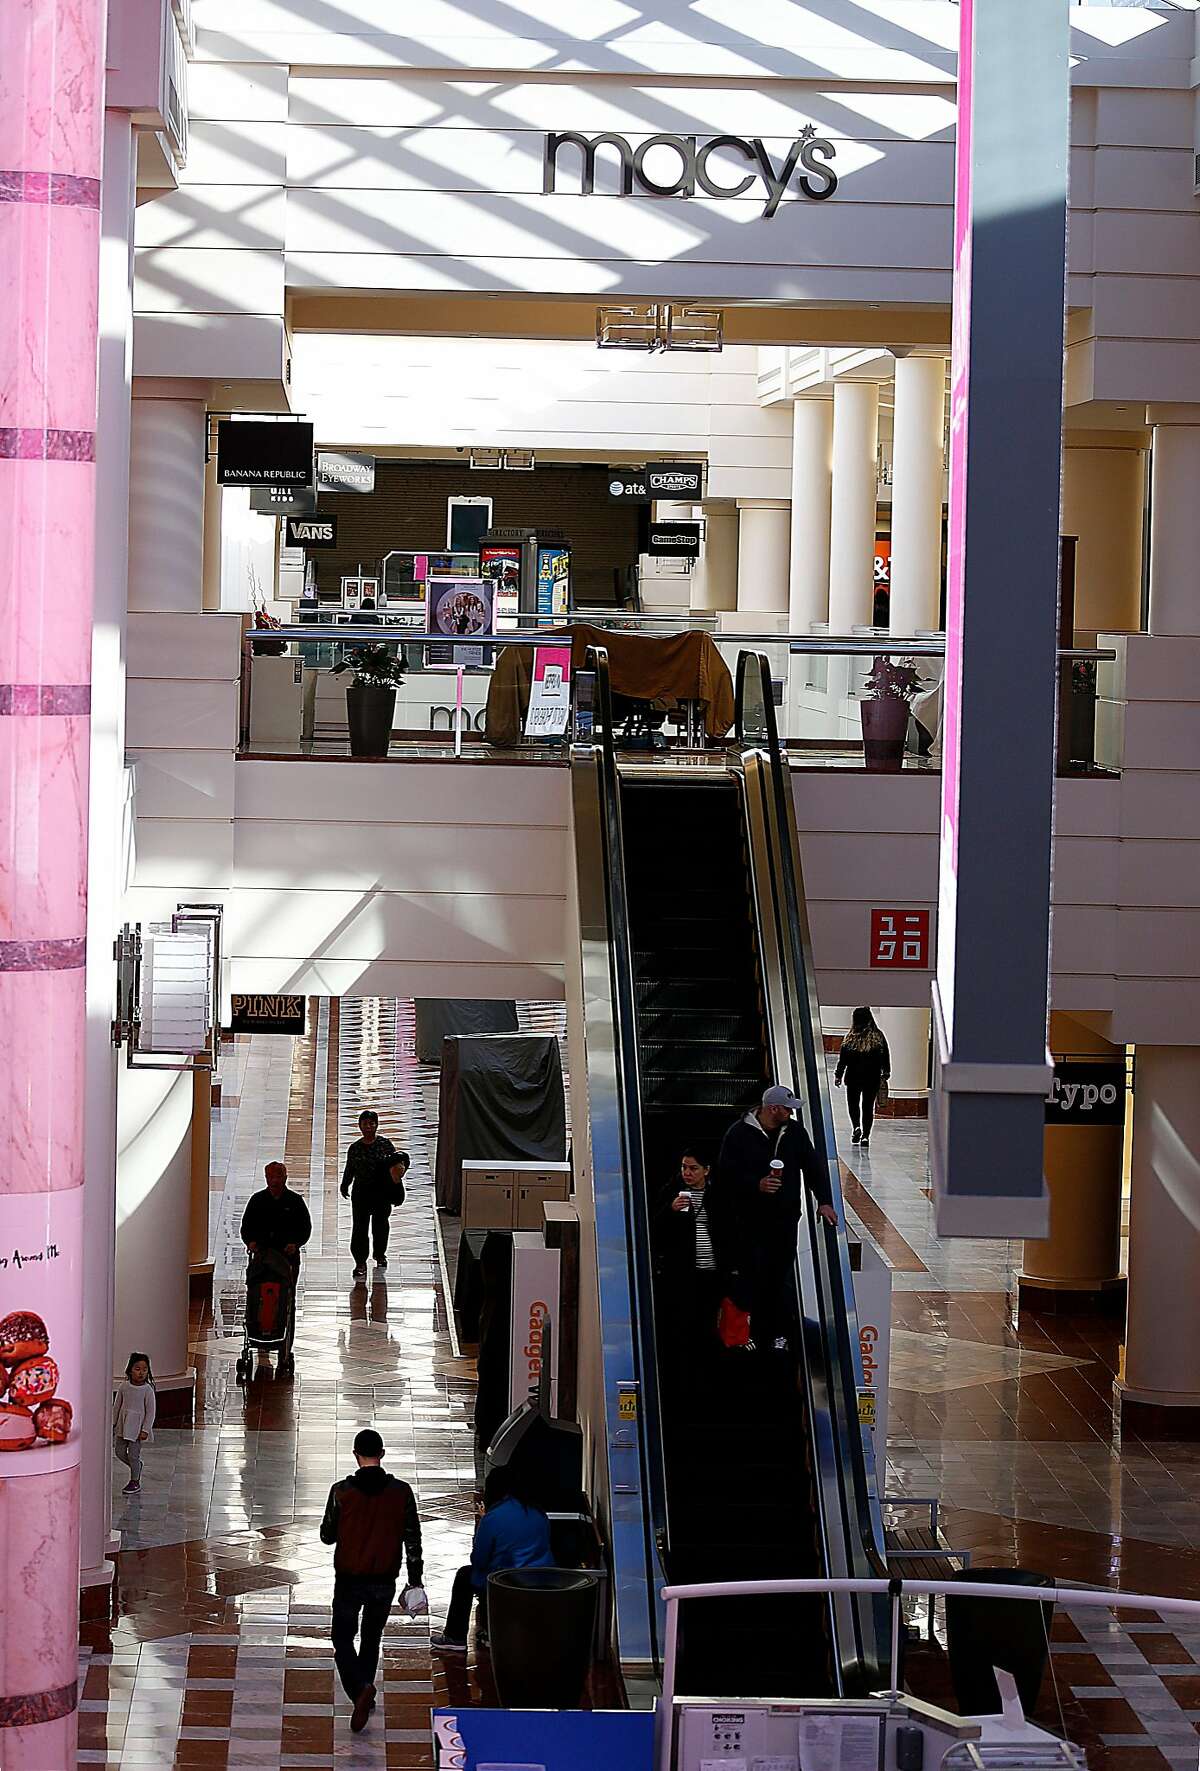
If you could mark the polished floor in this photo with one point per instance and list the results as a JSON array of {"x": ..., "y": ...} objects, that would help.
[{"x": 219, "y": 1654}]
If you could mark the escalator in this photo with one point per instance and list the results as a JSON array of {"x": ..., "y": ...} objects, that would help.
[{"x": 752, "y": 1465}]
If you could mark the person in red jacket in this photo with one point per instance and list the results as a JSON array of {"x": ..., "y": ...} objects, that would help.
[{"x": 372, "y": 1519}]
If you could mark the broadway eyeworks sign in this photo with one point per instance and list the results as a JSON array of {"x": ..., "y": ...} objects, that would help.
[{"x": 742, "y": 164}]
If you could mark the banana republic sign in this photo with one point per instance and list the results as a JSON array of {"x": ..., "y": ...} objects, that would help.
[
  {"x": 268, "y": 1014},
  {"x": 807, "y": 165}
]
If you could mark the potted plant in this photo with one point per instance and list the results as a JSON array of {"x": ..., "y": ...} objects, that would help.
[
  {"x": 371, "y": 697},
  {"x": 885, "y": 711}
]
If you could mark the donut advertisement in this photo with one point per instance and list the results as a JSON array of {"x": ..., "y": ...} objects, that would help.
[{"x": 41, "y": 1302}]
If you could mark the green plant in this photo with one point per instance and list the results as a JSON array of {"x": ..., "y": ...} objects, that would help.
[
  {"x": 374, "y": 667},
  {"x": 897, "y": 681}
]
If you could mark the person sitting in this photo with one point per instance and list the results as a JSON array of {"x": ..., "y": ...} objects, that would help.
[{"x": 513, "y": 1533}]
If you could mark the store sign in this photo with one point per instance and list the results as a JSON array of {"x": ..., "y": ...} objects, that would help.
[
  {"x": 746, "y": 161},
  {"x": 900, "y": 940},
  {"x": 269, "y": 1014},
  {"x": 1087, "y": 1094},
  {"x": 534, "y": 1320},
  {"x": 674, "y": 479},
  {"x": 282, "y": 501},
  {"x": 674, "y": 541},
  {"x": 340, "y": 471},
  {"x": 253, "y": 452},
  {"x": 628, "y": 484},
  {"x": 311, "y": 532}
]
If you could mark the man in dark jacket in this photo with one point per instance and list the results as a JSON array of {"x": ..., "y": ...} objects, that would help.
[
  {"x": 276, "y": 1218},
  {"x": 372, "y": 1518},
  {"x": 366, "y": 1182},
  {"x": 760, "y": 1207}
]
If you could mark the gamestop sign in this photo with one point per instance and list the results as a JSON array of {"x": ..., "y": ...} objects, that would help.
[{"x": 682, "y": 165}]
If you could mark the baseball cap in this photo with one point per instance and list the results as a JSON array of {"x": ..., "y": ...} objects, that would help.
[
  {"x": 778, "y": 1095},
  {"x": 368, "y": 1443}
]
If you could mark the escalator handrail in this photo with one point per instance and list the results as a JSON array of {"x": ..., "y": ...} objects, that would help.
[
  {"x": 859, "y": 1500},
  {"x": 625, "y": 1046}
]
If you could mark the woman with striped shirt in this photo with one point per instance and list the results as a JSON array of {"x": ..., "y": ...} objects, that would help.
[{"x": 691, "y": 1274}]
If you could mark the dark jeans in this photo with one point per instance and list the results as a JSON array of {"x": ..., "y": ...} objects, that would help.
[
  {"x": 354, "y": 1594},
  {"x": 369, "y": 1227},
  {"x": 772, "y": 1292},
  {"x": 458, "y": 1618},
  {"x": 861, "y": 1101}
]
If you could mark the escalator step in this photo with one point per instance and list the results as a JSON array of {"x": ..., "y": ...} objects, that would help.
[
  {"x": 694, "y": 1058},
  {"x": 678, "y": 1024},
  {"x": 698, "y": 1092}
]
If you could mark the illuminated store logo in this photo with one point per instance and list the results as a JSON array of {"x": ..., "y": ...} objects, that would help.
[{"x": 807, "y": 164}]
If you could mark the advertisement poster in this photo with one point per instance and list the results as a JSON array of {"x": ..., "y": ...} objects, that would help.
[
  {"x": 41, "y": 1284},
  {"x": 543, "y": 1740},
  {"x": 554, "y": 580},
  {"x": 459, "y": 608},
  {"x": 549, "y": 692},
  {"x": 500, "y": 565}
]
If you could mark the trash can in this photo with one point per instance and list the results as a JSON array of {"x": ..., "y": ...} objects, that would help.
[
  {"x": 1012, "y": 1634},
  {"x": 541, "y": 1622}
]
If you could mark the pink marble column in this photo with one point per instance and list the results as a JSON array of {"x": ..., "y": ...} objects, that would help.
[{"x": 51, "y": 127}]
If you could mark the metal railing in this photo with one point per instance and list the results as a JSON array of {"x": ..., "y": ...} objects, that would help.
[{"x": 896, "y": 1590}]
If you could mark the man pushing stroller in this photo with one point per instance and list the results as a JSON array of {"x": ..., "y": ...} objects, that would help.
[{"x": 275, "y": 1227}]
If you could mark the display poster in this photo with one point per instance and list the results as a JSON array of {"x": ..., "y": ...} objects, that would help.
[
  {"x": 554, "y": 577},
  {"x": 500, "y": 566},
  {"x": 257, "y": 452},
  {"x": 543, "y": 1740},
  {"x": 458, "y": 607},
  {"x": 41, "y": 1284},
  {"x": 534, "y": 1319},
  {"x": 873, "y": 1307},
  {"x": 342, "y": 470},
  {"x": 549, "y": 692}
]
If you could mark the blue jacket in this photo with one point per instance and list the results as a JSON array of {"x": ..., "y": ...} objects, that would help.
[{"x": 509, "y": 1536}]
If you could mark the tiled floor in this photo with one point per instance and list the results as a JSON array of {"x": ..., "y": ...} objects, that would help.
[{"x": 220, "y": 1654}]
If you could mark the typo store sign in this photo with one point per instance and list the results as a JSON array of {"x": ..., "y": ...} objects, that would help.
[
  {"x": 806, "y": 166},
  {"x": 252, "y": 452},
  {"x": 1087, "y": 1094},
  {"x": 312, "y": 532}
]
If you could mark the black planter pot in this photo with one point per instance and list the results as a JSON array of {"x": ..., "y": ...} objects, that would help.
[
  {"x": 542, "y": 1622},
  {"x": 1011, "y": 1634},
  {"x": 369, "y": 711}
]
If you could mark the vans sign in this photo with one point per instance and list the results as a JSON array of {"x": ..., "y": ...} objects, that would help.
[
  {"x": 312, "y": 531},
  {"x": 1087, "y": 1094},
  {"x": 806, "y": 166}
]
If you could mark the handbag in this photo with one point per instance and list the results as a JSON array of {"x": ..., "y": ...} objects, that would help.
[
  {"x": 733, "y": 1324},
  {"x": 881, "y": 1099}
]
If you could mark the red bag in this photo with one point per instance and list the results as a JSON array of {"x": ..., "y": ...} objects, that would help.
[
  {"x": 270, "y": 1308},
  {"x": 733, "y": 1324}
]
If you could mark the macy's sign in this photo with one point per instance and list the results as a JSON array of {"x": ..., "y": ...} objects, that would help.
[{"x": 807, "y": 164}]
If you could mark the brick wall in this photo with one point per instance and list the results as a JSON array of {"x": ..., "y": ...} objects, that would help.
[{"x": 408, "y": 510}]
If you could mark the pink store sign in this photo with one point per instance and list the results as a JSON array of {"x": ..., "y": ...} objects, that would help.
[{"x": 41, "y": 1315}]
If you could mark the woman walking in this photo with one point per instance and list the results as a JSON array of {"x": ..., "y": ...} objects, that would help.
[{"x": 866, "y": 1064}]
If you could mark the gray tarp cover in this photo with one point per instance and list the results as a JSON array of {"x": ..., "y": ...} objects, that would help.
[
  {"x": 501, "y": 1100},
  {"x": 440, "y": 1016}
]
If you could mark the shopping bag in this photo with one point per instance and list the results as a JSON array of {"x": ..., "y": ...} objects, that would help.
[
  {"x": 414, "y": 1602},
  {"x": 881, "y": 1099},
  {"x": 733, "y": 1324}
]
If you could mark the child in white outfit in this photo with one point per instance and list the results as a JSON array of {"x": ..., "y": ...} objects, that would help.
[{"x": 133, "y": 1418}]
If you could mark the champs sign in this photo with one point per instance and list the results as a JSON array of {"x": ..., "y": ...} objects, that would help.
[{"x": 806, "y": 167}]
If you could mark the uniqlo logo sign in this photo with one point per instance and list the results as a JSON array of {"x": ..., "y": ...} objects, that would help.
[{"x": 900, "y": 938}]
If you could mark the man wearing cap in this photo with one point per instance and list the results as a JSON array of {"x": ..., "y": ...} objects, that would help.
[
  {"x": 372, "y": 1519},
  {"x": 760, "y": 1207}
]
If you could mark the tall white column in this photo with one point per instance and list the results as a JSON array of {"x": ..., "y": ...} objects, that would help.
[
  {"x": 1174, "y": 525},
  {"x": 714, "y": 580},
  {"x": 166, "y": 513},
  {"x": 916, "y": 575},
  {"x": 812, "y": 479},
  {"x": 105, "y": 825},
  {"x": 852, "y": 505},
  {"x": 763, "y": 537},
  {"x": 1162, "y": 1352},
  {"x": 907, "y": 1033}
]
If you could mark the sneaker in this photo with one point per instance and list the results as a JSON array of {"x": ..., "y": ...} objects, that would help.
[
  {"x": 855, "y": 1135},
  {"x": 359, "y": 1273},
  {"x": 380, "y": 1263},
  {"x": 364, "y": 1703},
  {"x": 866, "y": 1140},
  {"x": 132, "y": 1488},
  {"x": 443, "y": 1645}
]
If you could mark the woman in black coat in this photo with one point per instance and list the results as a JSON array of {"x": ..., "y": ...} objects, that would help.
[{"x": 866, "y": 1064}]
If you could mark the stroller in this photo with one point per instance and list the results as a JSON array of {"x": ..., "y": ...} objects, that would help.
[{"x": 270, "y": 1303}]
